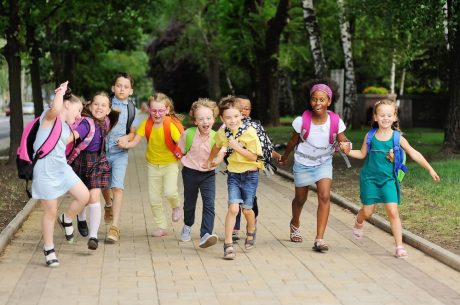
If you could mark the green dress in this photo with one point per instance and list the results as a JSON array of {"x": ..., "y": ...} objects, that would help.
[{"x": 377, "y": 181}]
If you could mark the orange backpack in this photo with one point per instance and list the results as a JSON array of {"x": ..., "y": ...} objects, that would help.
[{"x": 172, "y": 146}]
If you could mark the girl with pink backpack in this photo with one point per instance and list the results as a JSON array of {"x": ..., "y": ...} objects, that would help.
[
  {"x": 314, "y": 140},
  {"x": 89, "y": 161},
  {"x": 52, "y": 176}
]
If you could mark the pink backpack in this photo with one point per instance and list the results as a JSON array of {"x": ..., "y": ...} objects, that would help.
[
  {"x": 25, "y": 161},
  {"x": 306, "y": 122}
]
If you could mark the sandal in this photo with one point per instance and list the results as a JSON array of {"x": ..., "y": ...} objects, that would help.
[
  {"x": 401, "y": 252},
  {"x": 229, "y": 252},
  {"x": 295, "y": 235},
  {"x": 358, "y": 231},
  {"x": 249, "y": 243},
  {"x": 320, "y": 245},
  {"x": 51, "y": 262},
  {"x": 63, "y": 224}
]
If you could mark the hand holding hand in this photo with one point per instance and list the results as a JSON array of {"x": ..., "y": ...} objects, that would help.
[
  {"x": 345, "y": 147},
  {"x": 233, "y": 144},
  {"x": 123, "y": 142},
  {"x": 283, "y": 160}
]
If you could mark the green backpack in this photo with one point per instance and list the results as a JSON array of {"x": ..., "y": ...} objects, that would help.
[{"x": 190, "y": 135}]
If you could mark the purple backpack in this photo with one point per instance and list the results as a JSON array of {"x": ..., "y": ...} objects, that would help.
[{"x": 25, "y": 161}]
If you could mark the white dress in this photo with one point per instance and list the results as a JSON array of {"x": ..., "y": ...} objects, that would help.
[{"x": 53, "y": 177}]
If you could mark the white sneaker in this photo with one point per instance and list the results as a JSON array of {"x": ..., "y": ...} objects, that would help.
[
  {"x": 186, "y": 232},
  {"x": 208, "y": 240}
]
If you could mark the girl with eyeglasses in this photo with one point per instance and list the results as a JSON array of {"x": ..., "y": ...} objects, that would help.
[{"x": 162, "y": 130}]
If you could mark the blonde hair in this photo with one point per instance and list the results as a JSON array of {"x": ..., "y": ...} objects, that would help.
[
  {"x": 389, "y": 102},
  {"x": 204, "y": 102},
  {"x": 163, "y": 98}
]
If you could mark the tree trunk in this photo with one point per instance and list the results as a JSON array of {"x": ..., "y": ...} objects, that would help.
[
  {"x": 267, "y": 60},
  {"x": 312, "y": 27},
  {"x": 11, "y": 53},
  {"x": 63, "y": 60},
  {"x": 213, "y": 73},
  {"x": 285, "y": 92},
  {"x": 393, "y": 73},
  {"x": 452, "y": 130},
  {"x": 350, "y": 96},
  {"x": 35, "y": 70}
]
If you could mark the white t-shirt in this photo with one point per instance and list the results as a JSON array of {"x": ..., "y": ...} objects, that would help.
[{"x": 317, "y": 145}]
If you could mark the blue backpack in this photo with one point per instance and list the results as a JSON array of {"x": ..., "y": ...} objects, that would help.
[{"x": 399, "y": 163}]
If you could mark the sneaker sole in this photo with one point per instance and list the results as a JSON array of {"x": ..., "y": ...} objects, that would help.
[
  {"x": 211, "y": 241},
  {"x": 109, "y": 240}
]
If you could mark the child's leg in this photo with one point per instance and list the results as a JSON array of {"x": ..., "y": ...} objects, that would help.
[
  {"x": 94, "y": 212},
  {"x": 208, "y": 195},
  {"x": 299, "y": 200},
  {"x": 155, "y": 182},
  {"x": 48, "y": 220},
  {"x": 191, "y": 185},
  {"x": 81, "y": 197},
  {"x": 365, "y": 213},
  {"x": 119, "y": 163},
  {"x": 324, "y": 206},
  {"x": 250, "y": 219},
  {"x": 233, "y": 209},
  {"x": 171, "y": 192},
  {"x": 237, "y": 221},
  {"x": 395, "y": 222},
  {"x": 117, "y": 201}
]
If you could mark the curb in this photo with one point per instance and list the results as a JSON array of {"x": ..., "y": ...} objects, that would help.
[
  {"x": 8, "y": 232},
  {"x": 444, "y": 256}
]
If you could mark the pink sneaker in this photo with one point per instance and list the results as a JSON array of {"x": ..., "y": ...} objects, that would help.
[
  {"x": 159, "y": 232},
  {"x": 176, "y": 214},
  {"x": 358, "y": 232},
  {"x": 400, "y": 252}
]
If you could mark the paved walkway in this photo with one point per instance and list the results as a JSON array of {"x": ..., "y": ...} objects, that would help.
[{"x": 145, "y": 270}]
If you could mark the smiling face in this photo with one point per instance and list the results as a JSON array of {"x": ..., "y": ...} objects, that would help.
[
  {"x": 319, "y": 102},
  {"x": 204, "y": 119},
  {"x": 100, "y": 107},
  {"x": 385, "y": 115},
  {"x": 245, "y": 107},
  {"x": 158, "y": 111},
  {"x": 122, "y": 88},
  {"x": 231, "y": 118}
]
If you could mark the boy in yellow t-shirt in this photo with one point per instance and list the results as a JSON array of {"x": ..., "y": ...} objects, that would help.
[
  {"x": 162, "y": 130},
  {"x": 243, "y": 167}
]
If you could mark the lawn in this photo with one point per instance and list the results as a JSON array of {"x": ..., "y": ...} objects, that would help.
[{"x": 428, "y": 209}]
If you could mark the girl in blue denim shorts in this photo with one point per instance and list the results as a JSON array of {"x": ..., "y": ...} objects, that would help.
[
  {"x": 244, "y": 150},
  {"x": 314, "y": 141}
]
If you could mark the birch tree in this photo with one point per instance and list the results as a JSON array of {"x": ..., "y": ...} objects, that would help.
[
  {"x": 312, "y": 27},
  {"x": 350, "y": 95}
]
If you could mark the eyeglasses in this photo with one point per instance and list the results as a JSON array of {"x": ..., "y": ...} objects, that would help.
[
  {"x": 159, "y": 111},
  {"x": 246, "y": 108}
]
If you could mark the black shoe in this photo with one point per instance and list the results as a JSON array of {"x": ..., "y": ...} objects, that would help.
[
  {"x": 82, "y": 227},
  {"x": 93, "y": 243}
]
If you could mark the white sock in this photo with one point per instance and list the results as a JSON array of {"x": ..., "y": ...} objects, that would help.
[
  {"x": 94, "y": 218},
  {"x": 51, "y": 255},
  {"x": 68, "y": 230},
  {"x": 82, "y": 214}
]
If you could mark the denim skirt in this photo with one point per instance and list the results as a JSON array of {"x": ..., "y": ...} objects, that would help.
[{"x": 309, "y": 175}]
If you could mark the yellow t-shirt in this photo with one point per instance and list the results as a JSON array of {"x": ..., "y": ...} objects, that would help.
[
  {"x": 157, "y": 152},
  {"x": 237, "y": 163}
]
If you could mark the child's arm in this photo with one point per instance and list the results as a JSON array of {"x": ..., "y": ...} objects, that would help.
[
  {"x": 418, "y": 157},
  {"x": 58, "y": 102},
  {"x": 124, "y": 143},
  {"x": 359, "y": 154},
  {"x": 345, "y": 144},
  {"x": 236, "y": 146},
  {"x": 214, "y": 151},
  {"x": 289, "y": 147}
]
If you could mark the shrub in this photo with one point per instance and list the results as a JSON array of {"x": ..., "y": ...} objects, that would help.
[{"x": 375, "y": 90}]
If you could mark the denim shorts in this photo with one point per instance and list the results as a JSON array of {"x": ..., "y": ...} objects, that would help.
[
  {"x": 242, "y": 188},
  {"x": 309, "y": 175},
  {"x": 119, "y": 163}
]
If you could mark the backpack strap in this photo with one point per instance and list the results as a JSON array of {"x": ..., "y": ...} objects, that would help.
[
  {"x": 172, "y": 146},
  {"x": 306, "y": 122},
  {"x": 148, "y": 128},
  {"x": 369, "y": 137},
  {"x": 334, "y": 127},
  {"x": 52, "y": 140},
  {"x": 84, "y": 143},
  {"x": 131, "y": 115}
]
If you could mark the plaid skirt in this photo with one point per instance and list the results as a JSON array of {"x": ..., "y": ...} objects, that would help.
[{"x": 93, "y": 169}]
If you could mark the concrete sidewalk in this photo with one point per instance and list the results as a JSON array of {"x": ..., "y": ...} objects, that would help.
[{"x": 141, "y": 269}]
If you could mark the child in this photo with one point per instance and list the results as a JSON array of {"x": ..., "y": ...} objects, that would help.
[
  {"x": 313, "y": 158},
  {"x": 245, "y": 105},
  {"x": 196, "y": 143},
  {"x": 162, "y": 130},
  {"x": 91, "y": 164},
  {"x": 117, "y": 155},
  {"x": 378, "y": 183},
  {"x": 243, "y": 170},
  {"x": 53, "y": 177}
]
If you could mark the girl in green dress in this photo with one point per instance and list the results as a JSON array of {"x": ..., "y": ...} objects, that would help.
[{"x": 378, "y": 183}]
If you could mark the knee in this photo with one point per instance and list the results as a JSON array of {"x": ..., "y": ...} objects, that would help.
[
  {"x": 233, "y": 209},
  {"x": 324, "y": 197},
  {"x": 247, "y": 212},
  {"x": 393, "y": 213}
]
